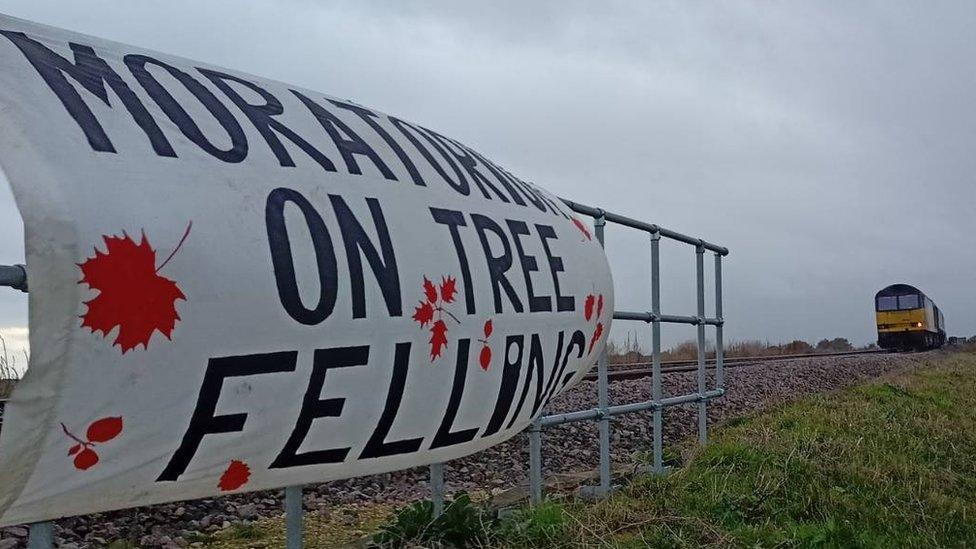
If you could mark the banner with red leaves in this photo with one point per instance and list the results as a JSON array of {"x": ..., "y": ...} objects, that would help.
[{"x": 238, "y": 285}]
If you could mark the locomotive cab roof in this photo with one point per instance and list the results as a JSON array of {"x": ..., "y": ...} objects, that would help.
[{"x": 898, "y": 289}]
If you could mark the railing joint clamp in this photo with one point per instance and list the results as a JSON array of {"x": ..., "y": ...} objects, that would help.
[{"x": 601, "y": 218}]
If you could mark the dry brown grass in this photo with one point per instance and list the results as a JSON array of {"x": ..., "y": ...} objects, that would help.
[{"x": 9, "y": 371}]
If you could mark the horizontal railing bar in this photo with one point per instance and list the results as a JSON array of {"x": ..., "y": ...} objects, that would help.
[
  {"x": 14, "y": 276},
  {"x": 641, "y": 225},
  {"x": 670, "y": 319},
  {"x": 569, "y": 417},
  {"x": 620, "y": 409}
]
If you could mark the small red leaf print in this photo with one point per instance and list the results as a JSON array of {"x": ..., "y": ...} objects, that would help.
[
  {"x": 599, "y": 306},
  {"x": 424, "y": 313},
  {"x": 438, "y": 339},
  {"x": 235, "y": 476},
  {"x": 86, "y": 459},
  {"x": 448, "y": 289},
  {"x": 430, "y": 291},
  {"x": 588, "y": 307},
  {"x": 485, "y": 357},
  {"x": 104, "y": 429},
  {"x": 582, "y": 227},
  {"x": 488, "y": 328},
  {"x": 74, "y": 449},
  {"x": 132, "y": 296},
  {"x": 596, "y": 336}
]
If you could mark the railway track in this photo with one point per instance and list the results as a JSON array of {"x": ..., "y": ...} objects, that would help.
[{"x": 635, "y": 370}]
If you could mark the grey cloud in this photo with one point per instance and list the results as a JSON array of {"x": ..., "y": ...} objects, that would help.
[{"x": 827, "y": 144}]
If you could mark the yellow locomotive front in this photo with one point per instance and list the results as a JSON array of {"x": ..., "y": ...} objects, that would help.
[{"x": 907, "y": 319}]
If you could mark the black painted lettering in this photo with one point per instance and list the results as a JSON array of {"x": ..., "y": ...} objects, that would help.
[
  {"x": 454, "y": 219},
  {"x": 262, "y": 117},
  {"x": 176, "y": 113},
  {"x": 346, "y": 140},
  {"x": 529, "y": 266},
  {"x": 578, "y": 341},
  {"x": 369, "y": 117},
  {"x": 384, "y": 268},
  {"x": 203, "y": 421},
  {"x": 510, "y": 378},
  {"x": 540, "y": 398},
  {"x": 470, "y": 165},
  {"x": 315, "y": 407},
  {"x": 445, "y": 436},
  {"x": 284, "y": 264},
  {"x": 408, "y": 130},
  {"x": 563, "y": 302},
  {"x": 377, "y": 446},
  {"x": 536, "y": 361},
  {"x": 498, "y": 265},
  {"x": 92, "y": 73}
]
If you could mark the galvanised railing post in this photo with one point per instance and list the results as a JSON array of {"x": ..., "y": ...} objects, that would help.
[
  {"x": 602, "y": 394},
  {"x": 293, "y": 517},
  {"x": 437, "y": 487},
  {"x": 535, "y": 463},
  {"x": 658, "y": 425},
  {"x": 719, "y": 343},
  {"x": 41, "y": 535},
  {"x": 702, "y": 403}
]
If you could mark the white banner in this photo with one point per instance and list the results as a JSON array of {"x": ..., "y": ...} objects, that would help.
[{"x": 236, "y": 284}]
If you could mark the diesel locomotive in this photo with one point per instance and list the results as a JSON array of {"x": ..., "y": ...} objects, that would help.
[{"x": 907, "y": 319}]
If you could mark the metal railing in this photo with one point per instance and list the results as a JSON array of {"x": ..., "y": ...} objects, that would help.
[
  {"x": 604, "y": 412},
  {"x": 41, "y": 534}
]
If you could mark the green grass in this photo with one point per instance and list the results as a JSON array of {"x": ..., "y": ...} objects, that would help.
[{"x": 887, "y": 464}]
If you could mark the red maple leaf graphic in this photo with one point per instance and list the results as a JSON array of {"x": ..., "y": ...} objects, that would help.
[
  {"x": 489, "y": 327},
  {"x": 236, "y": 475},
  {"x": 132, "y": 296},
  {"x": 436, "y": 299},
  {"x": 588, "y": 307},
  {"x": 448, "y": 288},
  {"x": 424, "y": 313},
  {"x": 599, "y": 306},
  {"x": 438, "y": 339},
  {"x": 430, "y": 291},
  {"x": 582, "y": 227},
  {"x": 596, "y": 336}
]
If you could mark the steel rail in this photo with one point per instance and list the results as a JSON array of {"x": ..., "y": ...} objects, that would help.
[
  {"x": 727, "y": 360},
  {"x": 691, "y": 366}
]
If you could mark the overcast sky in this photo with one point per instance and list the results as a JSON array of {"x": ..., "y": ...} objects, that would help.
[{"x": 830, "y": 146}]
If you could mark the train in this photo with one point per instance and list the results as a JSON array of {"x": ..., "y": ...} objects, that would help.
[{"x": 907, "y": 319}]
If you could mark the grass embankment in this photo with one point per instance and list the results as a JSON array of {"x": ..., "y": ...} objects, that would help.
[
  {"x": 888, "y": 464},
  {"x": 891, "y": 463}
]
